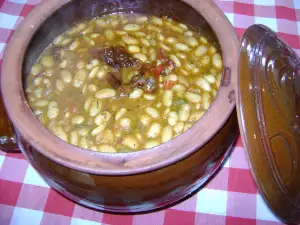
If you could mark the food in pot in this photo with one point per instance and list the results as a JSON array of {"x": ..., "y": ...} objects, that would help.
[{"x": 124, "y": 82}]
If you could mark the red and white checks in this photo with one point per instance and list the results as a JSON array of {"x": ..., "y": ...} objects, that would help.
[{"x": 231, "y": 198}]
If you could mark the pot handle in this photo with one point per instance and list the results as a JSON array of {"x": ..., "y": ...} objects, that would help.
[{"x": 7, "y": 137}]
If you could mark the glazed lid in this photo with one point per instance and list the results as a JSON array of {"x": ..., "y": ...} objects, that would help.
[{"x": 268, "y": 106}]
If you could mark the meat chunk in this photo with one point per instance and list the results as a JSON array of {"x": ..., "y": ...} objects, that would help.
[{"x": 116, "y": 57}]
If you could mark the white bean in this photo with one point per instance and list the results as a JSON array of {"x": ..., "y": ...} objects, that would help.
[
  {"x": 151, "y": 144},
  {"x": 192, "y": 97},
  {"x": 47, "y": 61},
  {"x": 74, "y": 138},
  {"x": 154, "y": 130},
  {"x": 83, "y": 143},
  {"x": 74, "y": 45},
  {"x": 59, "y": 85},
  {"x": 152, "y": 54},
  {"x": 59, "y": 132},
  {"x": 183, "y": 80},
  {"x": 130, "y": 40},
  {"x": 178, "y": 127},
  {"x": 184, "y": 112},
  {"x": 66, "y": 76},
  {"x": 109, "y": 34},
  {"x": 106, "y": 93},
  {"x": 98, "y": 129},
  {"x": 172, "y": 118},
  {"x": 87, "y": 103},
  {"x": 92, "y": 88},
  {"x": 195, "y": 116},
  {"x": 157, "y": 21},
  {"x": 178, "y": 88},
  {"x": 145, "y": 42},
  {"x": 93, "y": 72},
  {"x": 171, "y": 40},
  {"x": 95, "y": 108},
  {"x": 41, "y": 103},
  {"x": 36, "y": 69},
  {"x": 175, "y": 59},
  {"x": 120, "y": 113},
  {"x": 172, "y": 77},
  {"x": 125, "y": 123},
  {"x": 167, "y": 134},
  {"x": 167, "y": 98},
  {"x": 130, "y": 142},
  {"x": 191, "y": 41},
  {"x": 145, "y": 119},
  {"x": 102, "y": 118},
  {"x": 210, "y": 78},
  {"x": 203, "y": 84},
  {"x": 217, "y": 61},
  {"x": 107, "y": 148},
  {"x": 201, "y": 50},
  {"x": 53, "y": 110},
  {"x": 79, "y": 78},
  {"x": 140, "y": 56},
  {"x": 131, "y": 27},
  {"x": 182, "y": 47},
  {"x": 142, "y": 19},
  {"x": 152, "y": 112},
  {"x": 134, "y": 49},
  {"x": 77, "y": 119},
  {"x": 205, "y": 60},
  {"x": 149, "y": 97}
]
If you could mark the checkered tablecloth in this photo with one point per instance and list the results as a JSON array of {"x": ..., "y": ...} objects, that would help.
[{"x": 231, "y": 198}]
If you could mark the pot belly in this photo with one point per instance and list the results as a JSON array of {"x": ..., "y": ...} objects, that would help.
[{"x": 140, "y": 192}]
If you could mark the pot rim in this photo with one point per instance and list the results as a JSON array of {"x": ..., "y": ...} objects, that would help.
[{"x": 28, "y": 126}]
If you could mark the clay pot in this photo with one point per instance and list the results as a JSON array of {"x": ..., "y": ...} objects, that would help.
[{"x": 126, "y": 182}]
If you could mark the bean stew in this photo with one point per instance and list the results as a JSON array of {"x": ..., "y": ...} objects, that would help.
[{"x": 124, "y": 82}]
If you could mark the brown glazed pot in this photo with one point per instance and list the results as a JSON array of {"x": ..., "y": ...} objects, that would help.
[{"x": 125, "y": 182}]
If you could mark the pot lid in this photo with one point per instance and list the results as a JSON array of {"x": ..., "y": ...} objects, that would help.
[{"x": 268, "y": 105}]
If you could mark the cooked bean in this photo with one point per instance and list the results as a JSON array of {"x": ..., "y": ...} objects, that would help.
[
  {"x": 178, "y": 127},
  {"x": 154, "y": 130},
  {"x": 172, "y": 118},
  {"x": 182, "y": 47},
  {"x": 191, "y": 41},
  {"x": 216, "y": 60},
  {"x": 53, "y": 110},
  {"x": 157, "y": 21},
  {"x": 41, "y": 103},
  {"x": 59, "y": 85},
  {"x": 47, "y": 61},
  {"x": 145, "y": 42},
  {"x": 77, "y": 119},
  {"x": 98, "y": 129},
  {"x": 102, "y": 118},
  {"x": 140, "y": 56},
  {"x": 142, "y": 19},
  {"x": 79, "y": 78},
  {"x": 74, "y": 45},
  {"x": 201, "y": 50},
  {"x": 167, "y": 134},
  {"x": 106, "y": 93},
  {"x": 175, "y": 59},
  {"x": 130, "y": 142},
  {"x": 145, "y": 120},
  {"x": 202, "y": 83},
  {"x": 66, "y": 76},
  {"x": 136, "y": 93},
  {"x": 83, "y": 143},
  {"x": 36, "y": 69},
  {"x": 172, "y": 77},
  {"x": 134, "y": 49},
  {"x": 130, "y": 40},
  {"x": 149, "y": 97},
  {"x": 195, "y": 116},
  {"x": 95, "y": 108},
  {"x": 171, "y": 40},
  {"x": 167, "y": 98},
  {"x": 74, "y": 138},
  {"x": 184, "y": 112},
  {"x": 59, "y": 132},
  {"x": 192, "y": 97},
  {"x": 87, "y": 103},
  {"x": 107, "y": 148},
  {"x": 131, "y": 27},
  {"x": 152, "y": 112},
  {"x": 120, "y": 113},
  {"x": 205, "y": 60},
  {"x": 151, "y": 144},
  {"x": 125, "y": 123}
]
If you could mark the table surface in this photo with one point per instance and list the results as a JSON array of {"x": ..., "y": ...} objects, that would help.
[{"x": 230, "y": 198}]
